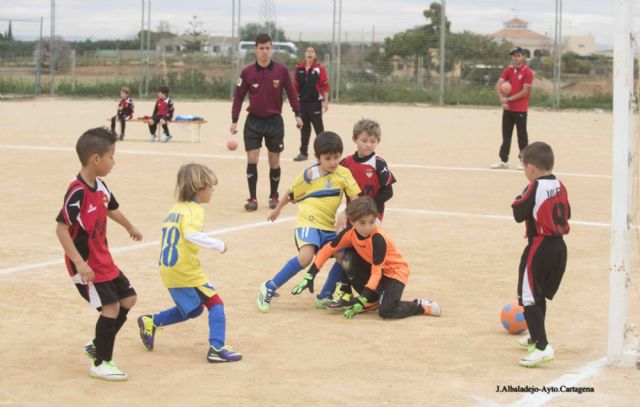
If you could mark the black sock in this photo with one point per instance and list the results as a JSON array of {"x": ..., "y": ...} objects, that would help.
[
  {"x": 122, "y": 317},
  {"x": 274, "y": 177},
  {"x": 252, "y": 179},
  {"x": 535, "y": 322},
  {"x": 105, "y": 338},
  {"x": 345, "y": 284}
]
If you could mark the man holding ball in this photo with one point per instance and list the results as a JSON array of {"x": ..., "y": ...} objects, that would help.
[
  {"x": 264, "y": 81},
  {"x": 515, "y": 105}
]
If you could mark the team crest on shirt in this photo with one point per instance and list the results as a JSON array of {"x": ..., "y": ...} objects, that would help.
[
  {"x": 520, "y": 77},
  {"x": 276, "y": 83},
  {"x": 105, "y": 200},
  {"x": 369, "y": 172}
]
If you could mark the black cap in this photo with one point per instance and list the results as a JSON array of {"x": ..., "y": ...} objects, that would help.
[{"x": 516, "y": 50}]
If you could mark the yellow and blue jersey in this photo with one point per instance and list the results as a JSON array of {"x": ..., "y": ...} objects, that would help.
[
  {"x": 319, "y": 196},
  {"x": 179, "y": 263}
]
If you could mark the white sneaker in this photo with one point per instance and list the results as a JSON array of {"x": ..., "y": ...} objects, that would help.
[
  {"x": 520, "y": 166},
  {"x": 538, "y": 356},
  {"x": 153, "y": 138},
  {"x": 430, "y": 307},
  {"x": 525, "y": 342},
  {"x": 108, "y": 371},
  {"x": 500, "y": 165}
]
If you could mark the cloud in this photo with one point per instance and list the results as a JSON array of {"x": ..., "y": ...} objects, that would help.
[{"x": 121, "y": 18}]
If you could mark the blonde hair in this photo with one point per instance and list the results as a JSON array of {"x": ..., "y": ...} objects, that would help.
[
  {"x": 193, "y": 178},
  {"x": 369, "y": 126}
]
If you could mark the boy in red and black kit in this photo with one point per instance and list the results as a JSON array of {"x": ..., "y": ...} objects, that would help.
[
  {"x": 125, "y": 111},
  {"x": 311, "y": 83},
  {"x": 375, "y": 180},
  {"x": 82, "y": 231},
  {"x": 163, "y": 114},
  {"x": 544, "y": 206}
]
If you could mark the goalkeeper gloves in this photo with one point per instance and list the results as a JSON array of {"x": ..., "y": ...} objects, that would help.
[
  {"x": 304, "y": 284},
  {"x": 357, "y": 307}
]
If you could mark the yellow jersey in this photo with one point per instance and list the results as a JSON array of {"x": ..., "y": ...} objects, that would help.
[
  {"x": 319, "y": 196},
  {"x": 179, "y": 263}
]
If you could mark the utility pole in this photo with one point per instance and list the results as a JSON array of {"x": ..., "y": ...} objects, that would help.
[
  {"x": 52, "y": 47},
  {"x": 39, "y": 62},
  {"x": 558, "y": 57},
  {"x": 443, "y": 30}
]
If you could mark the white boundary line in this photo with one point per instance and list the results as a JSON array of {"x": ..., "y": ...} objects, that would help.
[
  {"x": 485, "y": 216},
  {"x": 138, "y": 246},
  {"x": 242, "y": 157},
  {"x": 567, "y": 380}
]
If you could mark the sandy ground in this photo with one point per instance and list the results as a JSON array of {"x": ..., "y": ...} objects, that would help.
[{"x": 295, "y": 354}]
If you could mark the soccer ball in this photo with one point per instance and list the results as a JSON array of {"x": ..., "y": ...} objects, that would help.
[
  {"x": 505, "y": 88},
  {"x": 232, "y": 145},
  {"x": 512, "y": 318}
]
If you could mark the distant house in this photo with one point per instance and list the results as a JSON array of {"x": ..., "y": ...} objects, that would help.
[
  {"x": 212, "y": 45},
  {"x": 580, "y": 44},
  {"x": 517, "y": 32}
]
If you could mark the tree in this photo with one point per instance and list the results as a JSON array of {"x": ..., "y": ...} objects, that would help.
[
  {"x": 416, "y": 42},
  {"x": 248, "y": 32},
  {"x": 196, "y": 32},
  {"x": 9, "y": 36}
]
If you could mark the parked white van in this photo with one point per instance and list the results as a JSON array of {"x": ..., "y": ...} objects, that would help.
[{"x": 288, "y": 48}]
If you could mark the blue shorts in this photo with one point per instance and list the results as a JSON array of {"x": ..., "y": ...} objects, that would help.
[
  {"x": 188, "y": 299},
  {"x": 316, "y": 237}
]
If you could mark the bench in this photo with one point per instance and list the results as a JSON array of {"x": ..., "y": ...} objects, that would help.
[{"x": 192, "y": 125}]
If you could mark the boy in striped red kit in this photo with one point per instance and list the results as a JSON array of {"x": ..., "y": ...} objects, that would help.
[
  {"x": 162, "y": 113},
  {"x": 544, "y": 206},
  {"x": 125, "y": 111},
  {"x": 82, "y": 232}
]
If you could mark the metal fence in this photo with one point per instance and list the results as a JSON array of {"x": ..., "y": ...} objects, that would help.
[{"x": 365, "y": 75}]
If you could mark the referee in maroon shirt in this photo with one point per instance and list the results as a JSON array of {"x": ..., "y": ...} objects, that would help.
[{"x": 264, "y": 81}]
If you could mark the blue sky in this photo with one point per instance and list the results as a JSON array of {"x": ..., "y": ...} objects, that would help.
[{"x": 78, "y": 19}]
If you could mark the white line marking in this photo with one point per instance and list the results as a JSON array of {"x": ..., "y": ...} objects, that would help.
[
  {"x": 567, "y": 380},
  {"x": 242, "y": 157},
  {"x": 485, "y": 216},
  {"x": 138, "y": 246},
  {"x": 476, "y": 169}
]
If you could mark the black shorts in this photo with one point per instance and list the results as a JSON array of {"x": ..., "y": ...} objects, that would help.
[
  {"x": 271, "y": 128},
  {"x": 108, "y": 292},
  {"x": 541, "y": 269}
]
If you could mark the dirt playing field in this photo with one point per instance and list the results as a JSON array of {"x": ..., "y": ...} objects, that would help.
[{"x": 450, "y": 216}]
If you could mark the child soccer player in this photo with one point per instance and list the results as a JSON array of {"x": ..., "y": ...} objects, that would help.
[
  {"x": 544, "y": 206},
  {"x": 180, "y": 267},
  {"x": 318, "y": 190},
  {"x": 374, "y": 179},
  {"x": 369, "y": 169},
  {"x": 125, "y": 111},
  {"x": 162, "y": 113},
  {"x": 82, "y": 231},
  {"x": 386, "y": 272}
]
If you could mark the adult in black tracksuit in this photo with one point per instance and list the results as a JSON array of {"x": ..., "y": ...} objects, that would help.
[{"x": 312, "y": 86}]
